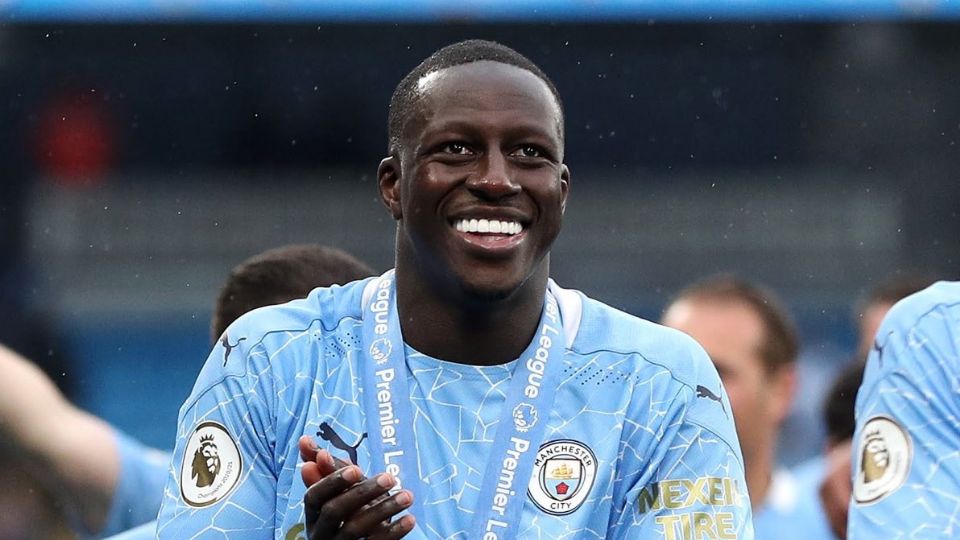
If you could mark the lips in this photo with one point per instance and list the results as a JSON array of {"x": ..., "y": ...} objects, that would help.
[
  {"x": 489, "y": 233},
  {"x": 507, "y": 227}
]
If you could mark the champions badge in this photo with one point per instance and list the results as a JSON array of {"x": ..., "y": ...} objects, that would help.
[
  {"x": 563, "y": 473},
  {"x": 211, "y": 465},
  {"x": 882, "y": 460}
]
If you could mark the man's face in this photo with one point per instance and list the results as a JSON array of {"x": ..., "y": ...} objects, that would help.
[
  {"x": 481, "y": 187},
  {"x": 731, "y": 332}
]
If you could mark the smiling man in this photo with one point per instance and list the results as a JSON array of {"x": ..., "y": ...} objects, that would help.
[{"x": 481, "y": 399}]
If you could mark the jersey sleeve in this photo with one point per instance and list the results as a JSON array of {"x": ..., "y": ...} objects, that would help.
[
  {"x": 222, "y": 481},
  {"x": 143, "y": 473},
  {"x": 906, "y": 464},
  {"x": 694, "y": 486}
]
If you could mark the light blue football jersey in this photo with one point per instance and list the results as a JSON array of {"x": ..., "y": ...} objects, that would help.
[
  {"x": 792, "y": 509},
  {"x": 639, "y": 442},
  {"x": 137, "y": 496},
  {"x": 906, "y": 457}
]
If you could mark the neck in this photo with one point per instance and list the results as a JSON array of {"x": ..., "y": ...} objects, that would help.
[
  {"x": 759, "y": 476},
  {"x": 456, "y": 327}
]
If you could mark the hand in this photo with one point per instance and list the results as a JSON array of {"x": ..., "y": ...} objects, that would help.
[
  {"x": 835, "y": 488},
  {"x": 341, "y": 504}
]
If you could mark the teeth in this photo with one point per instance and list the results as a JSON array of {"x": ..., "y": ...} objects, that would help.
[{"x": 489, "y": 226}]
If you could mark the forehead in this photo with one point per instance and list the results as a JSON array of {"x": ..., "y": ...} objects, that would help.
[
  {"x": 499, "y": 91},
  {"x": 727, "y": 329}
]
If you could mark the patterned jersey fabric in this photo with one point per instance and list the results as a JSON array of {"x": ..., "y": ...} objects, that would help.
[
  {"x": 640, "y": 440},
  {"x": 906, "y": 459}
]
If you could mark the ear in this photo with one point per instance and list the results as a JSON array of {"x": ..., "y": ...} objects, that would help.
[
  {"x": 564, "y": 186},
  {"x": 783, "y": 388},
  {"x": 388, "y": 180}
]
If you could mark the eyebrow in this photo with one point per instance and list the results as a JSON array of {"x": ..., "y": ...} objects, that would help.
[{"x": 514, "y": 130}]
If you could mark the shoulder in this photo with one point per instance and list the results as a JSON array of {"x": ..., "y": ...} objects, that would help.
[
  {"x": 919, "y": 332},
  {"x": 935, "y": 308},
  {"x": 254, "y": 341},
  {"x": 324, "y": 308},
  {"x": 604, "y": 329},
  {"x": 666, "y": 364}
]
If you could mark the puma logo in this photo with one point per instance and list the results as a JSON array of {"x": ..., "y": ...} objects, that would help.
[
  {"x": 330, "y": 435},
  {"x": 225, "y": 341},
  {"x": 704, "y": 392}
]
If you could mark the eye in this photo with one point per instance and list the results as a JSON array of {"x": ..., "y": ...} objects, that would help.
[
  {"x": 530, "y": 151},
  {"x": 455, "y": 148}
]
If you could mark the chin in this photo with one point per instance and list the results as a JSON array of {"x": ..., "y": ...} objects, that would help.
[
  {"x": 486, "y": 292},
  {"x": 489, "y": 290},
  {"x": 492, "y": 281}
]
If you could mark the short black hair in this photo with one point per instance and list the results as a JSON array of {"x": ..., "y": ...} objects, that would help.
[
  {"x": 464, "y": 52},
  {"x": 838, "y": 407},
  {"x": 780, "y": 346},
  {"x": 280, "y": 275}
]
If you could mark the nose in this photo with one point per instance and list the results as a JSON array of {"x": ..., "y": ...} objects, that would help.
[{"x": 495, "y": 178}]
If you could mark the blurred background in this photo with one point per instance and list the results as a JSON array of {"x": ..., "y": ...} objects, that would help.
[{"x": 149, "y": 147}]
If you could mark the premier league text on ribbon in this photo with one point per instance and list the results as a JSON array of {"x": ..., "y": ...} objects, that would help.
[
  {"x": 535, "y": 366},
  {"x": 388, "y": 433},
  {"x": 392, "y": 452},
  {"x": 380, "y": 306}
]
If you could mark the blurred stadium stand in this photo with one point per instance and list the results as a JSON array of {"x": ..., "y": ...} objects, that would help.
[{"x": 814, "y": 157}]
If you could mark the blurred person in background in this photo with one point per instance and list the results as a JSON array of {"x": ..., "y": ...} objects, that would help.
[
  {"x": 832, "y": 470},
  {"x": 751, "y": 340},
  {"x": 906, "y": 463},
  {"x": 829, "y": 475},
  {"x": 109, "y": 482},
  {"x": 874, "y": 305}
]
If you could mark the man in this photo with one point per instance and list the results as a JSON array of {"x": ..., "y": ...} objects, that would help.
[
  {"x": 831, "y": 471},
  {"x": 486, "y": 401},
  {"x": 834, "y": 487},
  {"x": 109, "y": 481},
  {"x": 906, "y": 467},
  {"x": 752, "y": 342}
]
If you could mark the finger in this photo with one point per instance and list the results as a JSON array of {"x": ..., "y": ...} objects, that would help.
[
  {"x": 329, "y": 463},
  {"x": 315, "y": 470},
  {"x": 341, "y": 495},
  {"x": 374, "y": 520},
  {"x": 321, "y": 520},
  {"x": 326, "y": 464},
  {"x": 308, "y": 449},
  {"x": 397, "y": 529},
  {"x": 310, "y": 474}
]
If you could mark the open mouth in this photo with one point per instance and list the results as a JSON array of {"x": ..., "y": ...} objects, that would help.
[
  {"x": 488, "y": 226},
  {"x": 490, "y": 236}
]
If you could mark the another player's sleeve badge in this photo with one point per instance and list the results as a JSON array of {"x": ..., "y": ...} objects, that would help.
[
  {"x": 211, "y": 465},
  {"x": 883, "y": 458}
]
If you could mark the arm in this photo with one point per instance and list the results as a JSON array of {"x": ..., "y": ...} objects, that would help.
[
  {"x": 72, "y": 450},
  {"x": 223, "y": 479},
  {"x": 906, "y": 468},
  {"x": 690, "y": 478}
]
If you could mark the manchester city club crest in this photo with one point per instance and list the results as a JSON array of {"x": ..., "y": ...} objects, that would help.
[{"x": 564, "y": 472}]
